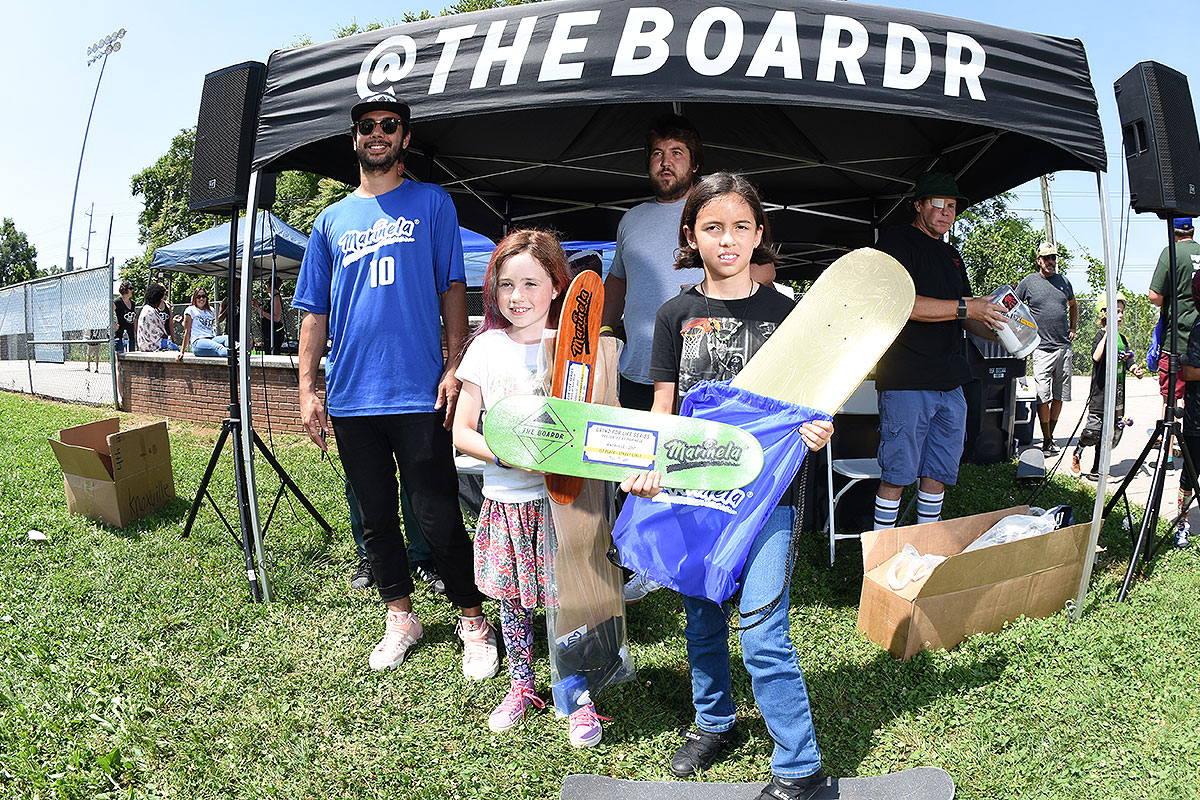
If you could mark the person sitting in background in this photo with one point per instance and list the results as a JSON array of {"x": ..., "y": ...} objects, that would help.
[
  {"x": 198, "y": 328},
  {"x": 151, "y": 332},
  {"x": 272, "y": 321}
]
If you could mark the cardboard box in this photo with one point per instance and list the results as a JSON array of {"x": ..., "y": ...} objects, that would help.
[
  {"x": 968, "y": 593},
  {"x": 115, "y": 477}
]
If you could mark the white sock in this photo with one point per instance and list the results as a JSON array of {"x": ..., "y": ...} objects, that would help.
[
  {"x": 929, "y": 506},
  {"x": 886, "y": 512}
]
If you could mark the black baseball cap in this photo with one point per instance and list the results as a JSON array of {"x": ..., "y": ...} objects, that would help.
[{"x": 381, "y": 102}]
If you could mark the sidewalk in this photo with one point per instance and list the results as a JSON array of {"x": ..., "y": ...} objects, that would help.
[{"x": 1143, "y": 404}]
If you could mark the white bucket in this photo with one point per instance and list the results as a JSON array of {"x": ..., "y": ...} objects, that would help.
[{"x": 1020, "y": 335}]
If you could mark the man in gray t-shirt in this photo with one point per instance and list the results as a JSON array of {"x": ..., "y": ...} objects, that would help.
[
  {"x": 1049, "y": 296},
  {"x": 643, "y": 275}
]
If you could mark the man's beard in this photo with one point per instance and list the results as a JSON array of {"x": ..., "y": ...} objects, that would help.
[
  {"x": 671, "y": 188},
  {"x": 377, "y": 165}
]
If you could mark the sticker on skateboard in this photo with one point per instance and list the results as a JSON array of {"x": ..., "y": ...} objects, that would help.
[
  {"x": 836, "y": 333},
  {"x": 575, "y": 349},
  {"x": 610, "y": 443},
  {"x": 919, "y": 783}
]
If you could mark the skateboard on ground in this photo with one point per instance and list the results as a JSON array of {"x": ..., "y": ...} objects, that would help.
[
  {"x": 840, "y": 328},
  {"x": 1031, "y": 464},
  {"x": 611, "y": 443},
  {"x": 575, "y": 349},
  {"x": 919, "y": 783}
]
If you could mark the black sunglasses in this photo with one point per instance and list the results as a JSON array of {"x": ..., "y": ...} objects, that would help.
[{"x": 389, "y": 125}]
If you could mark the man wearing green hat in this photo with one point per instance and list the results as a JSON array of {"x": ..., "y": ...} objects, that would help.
[{"x": 922, "y": 409}]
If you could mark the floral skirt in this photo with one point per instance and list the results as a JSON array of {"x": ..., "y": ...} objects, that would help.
[{"x": 509, "y": 558}]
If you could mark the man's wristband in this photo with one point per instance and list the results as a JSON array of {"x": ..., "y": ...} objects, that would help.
[
  {"x": 962, "y": 308},
  {"x": 605, "y": 329},
  {"x": 498, "y": 464}
]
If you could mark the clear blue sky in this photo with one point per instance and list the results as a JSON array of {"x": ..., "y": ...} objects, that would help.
[{"x": 151, "y": 90}]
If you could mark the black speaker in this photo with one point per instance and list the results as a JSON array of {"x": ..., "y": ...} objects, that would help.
[
  {"x": 225, "y": 133},
  {"x": 1162, "y": 150}
]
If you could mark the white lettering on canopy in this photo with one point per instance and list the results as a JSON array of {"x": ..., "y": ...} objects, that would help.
[
  {"x": 958, "y": 72},
  {"x": 385, "y": 66},
  {"x": 894, "y": 76},
  {"x": 643, "y": 49},
  {"x": 832, "y": 52},
  {"x": 780, "y": 47},
  {"x": 562, "y": 44},
  {"x": 510, "y": 55},
  {"x": 636, "y": 37},
  {"x": 450, "y": 38},
  {"x": 731, "y": 46}
]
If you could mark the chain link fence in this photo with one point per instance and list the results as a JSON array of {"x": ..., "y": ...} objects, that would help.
[{"x": 56, "y": 336}]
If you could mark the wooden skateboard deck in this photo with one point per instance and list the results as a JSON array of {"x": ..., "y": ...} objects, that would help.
[
  {"x": 575, "y": 349},
  {"x": 609, "y": 443},
  {"x": 835, "y": 335},
  {"x": 919, "y": 783}
]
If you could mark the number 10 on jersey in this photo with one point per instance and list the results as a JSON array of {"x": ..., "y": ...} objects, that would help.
[{"x": 383, "y": 271}]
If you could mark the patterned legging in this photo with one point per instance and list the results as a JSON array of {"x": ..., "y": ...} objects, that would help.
[{"x": 516, "y": 624}]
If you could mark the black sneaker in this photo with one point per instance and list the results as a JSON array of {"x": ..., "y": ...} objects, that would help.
[
  {"x": 362, "y": 577},
  {"x": 794, "y": 788},
  {"x": 1049, "y": 448},
  {"x": 427, "y": 574},
  {"x": 699, "y": 751}
]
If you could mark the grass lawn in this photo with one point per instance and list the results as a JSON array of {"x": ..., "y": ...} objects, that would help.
[{"x": 133, "y": 665}]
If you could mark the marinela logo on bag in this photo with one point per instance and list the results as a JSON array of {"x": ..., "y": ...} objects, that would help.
[{"x": 709, "y": 453}]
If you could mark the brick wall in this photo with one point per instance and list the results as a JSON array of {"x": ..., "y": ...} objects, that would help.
[{"x": 197, "y": 389}]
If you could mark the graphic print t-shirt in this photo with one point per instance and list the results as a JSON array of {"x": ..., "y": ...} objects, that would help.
[
  {"x": 699, "y": 339},
  {"x": 377, "y": 266}
]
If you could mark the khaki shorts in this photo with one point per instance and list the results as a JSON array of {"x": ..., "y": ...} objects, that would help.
[{"x": 1052, "y": 374}]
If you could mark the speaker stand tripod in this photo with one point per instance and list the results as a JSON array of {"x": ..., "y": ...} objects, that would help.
[
  {"x": 260, "y": 589},
  {"x": 1165, "y": 431}
]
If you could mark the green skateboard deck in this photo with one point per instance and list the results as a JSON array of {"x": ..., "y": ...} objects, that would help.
[
  {"x": 919, "y": 783},
  {"x": 610, "y": 443},
  {"x": 836, "y": 333}
]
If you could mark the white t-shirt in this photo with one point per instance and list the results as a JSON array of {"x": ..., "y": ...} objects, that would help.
[
  {"x": 202, "y": 322},
  {"x": 500, "y": 367}
]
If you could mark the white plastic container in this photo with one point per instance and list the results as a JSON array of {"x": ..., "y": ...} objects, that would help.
[{"x": 1020, "y": 336}]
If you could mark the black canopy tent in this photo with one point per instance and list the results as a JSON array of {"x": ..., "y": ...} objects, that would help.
[{"x": 536, "y": 113}]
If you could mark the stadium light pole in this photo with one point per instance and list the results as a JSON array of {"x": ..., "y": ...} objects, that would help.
[{"x": 100, "y": 51}]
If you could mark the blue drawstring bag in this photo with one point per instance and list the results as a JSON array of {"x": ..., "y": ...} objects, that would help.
[
  {"x": 1155, "y": 348},
  {"x": 696, "y": 542}
]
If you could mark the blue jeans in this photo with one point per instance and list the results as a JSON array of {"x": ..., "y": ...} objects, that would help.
[
  {"x": 767, "y": 652},
  {"x": 216, "y": 347},
  {"x": 167, "y": 344}
]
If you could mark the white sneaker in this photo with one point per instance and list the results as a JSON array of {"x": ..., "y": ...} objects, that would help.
[
  {"x": 638, "y": 587},
  {"x": 401, "y": 632},
  {"x": 1182, "y": 533},
  {"x": 480, "y": 658}
]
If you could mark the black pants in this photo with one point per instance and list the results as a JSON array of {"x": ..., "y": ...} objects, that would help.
[
  {"x": 371, "y": 449},
  {"x": 635, "y": 395}
]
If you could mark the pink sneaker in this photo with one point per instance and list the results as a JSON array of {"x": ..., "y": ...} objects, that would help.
[
  {"x": 480, "y": 659},
  {"x": 400, "y": 633},
  {"x": 512, "y": 707},
  {"x": 585, "y": 729}
]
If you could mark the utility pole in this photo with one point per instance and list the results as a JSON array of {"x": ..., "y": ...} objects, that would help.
[
  {"x": 1048, "y": 207},
  {"x": 108, "y": 243},
  {"x": 87, "y": 247}
]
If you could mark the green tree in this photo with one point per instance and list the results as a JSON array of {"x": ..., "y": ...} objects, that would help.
[{"x": 18, "y": 258}]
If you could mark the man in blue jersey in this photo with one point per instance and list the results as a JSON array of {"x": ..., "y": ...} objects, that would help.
[{"x": 382, "y": 272}]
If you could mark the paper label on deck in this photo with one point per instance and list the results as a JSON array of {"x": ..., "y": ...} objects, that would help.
[
  {"x": 619, "y": 446},
  {"x": 575, "y": 384}
]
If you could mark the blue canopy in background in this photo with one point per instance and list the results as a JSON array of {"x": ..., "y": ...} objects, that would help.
[
  {"x": 477, "y": 260},
  {"x": 207, "y": 252}
]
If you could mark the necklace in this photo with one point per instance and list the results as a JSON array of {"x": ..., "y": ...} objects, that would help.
[{"x": 722, "y": 341}]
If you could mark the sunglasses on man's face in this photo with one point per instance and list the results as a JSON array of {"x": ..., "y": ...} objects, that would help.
[{"x": 389, "y": 125}]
